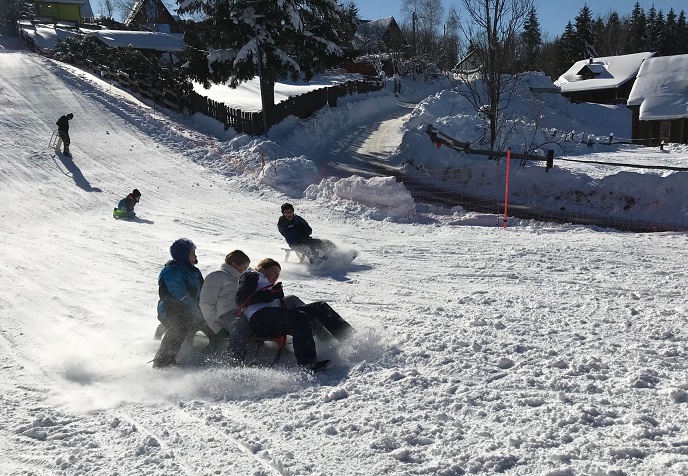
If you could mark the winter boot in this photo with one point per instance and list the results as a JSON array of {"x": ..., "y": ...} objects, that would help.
[
  {"x": 164, "y": 361},
  {"x": 318, "y": 366}
]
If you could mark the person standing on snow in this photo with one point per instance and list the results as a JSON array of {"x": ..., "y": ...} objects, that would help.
[
  {"x": 125, "y": 207},
  {"x": 63, "y": 132},
  {"x": 297, "y": 232},
  {"x": 219, "y": 306},
  {"x": 179, "y": 287}
]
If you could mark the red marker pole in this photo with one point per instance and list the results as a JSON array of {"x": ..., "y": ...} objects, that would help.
[
  {"x": 262, "y": 161},
  {"x": 506, "y": 187}
]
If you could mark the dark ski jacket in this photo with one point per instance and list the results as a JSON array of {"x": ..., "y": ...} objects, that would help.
[
  {"x": 295, "y": 230},
  {"x": 179, "y": 288},
  {"x": 127, "y": 204},
  {"x": 249, "y": 293},
  {"x": 63, "y": 123}
]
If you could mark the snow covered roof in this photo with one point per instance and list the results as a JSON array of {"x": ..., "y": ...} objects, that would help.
[
  {"x": 140, "y": 39},
  {"x": 661, "y": 88},
  {"x": 381, "y": 23},
  {"x": 46, "y": 37},
  {"x": 609, "y": 72}
]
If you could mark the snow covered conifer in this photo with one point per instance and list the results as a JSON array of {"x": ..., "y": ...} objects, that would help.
[{"x": 237, "y": 40}]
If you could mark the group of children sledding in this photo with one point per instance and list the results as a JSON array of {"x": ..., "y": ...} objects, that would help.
[{"x": 236, "y": 303}]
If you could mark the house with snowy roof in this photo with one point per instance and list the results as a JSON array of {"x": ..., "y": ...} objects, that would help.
[
  {"x": 151, "y": 15},
  {"x": 379, "y": 36},
  {"x": 659, "y": 101},
  {"x": 604, "y": 80},
  {"x": 376, "y": 41}
]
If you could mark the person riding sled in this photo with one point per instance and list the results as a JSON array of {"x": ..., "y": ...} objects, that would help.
[
  {"x": 260, "y": 297},
  {"x": 297, "y": 232},
  {"x": 125, "y": 207},
  {"x": 179, "y": 289}
]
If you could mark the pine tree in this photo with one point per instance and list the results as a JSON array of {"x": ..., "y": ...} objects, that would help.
[
  {"x": 670, "y": 37},
  {"x": 241, "y": 39},
  {"x": 651, "y": 30},
  {"x": 614, "y": 36},
  {"x": 584, "y": 34},
  {"x": 568, "y": 47},
  {"x": 681, "y": 34},
  {"x": 10, "y": 12},
  {"x": 637, "y": 27},
  {"x": 659, "y": 33},
  {"x": 532, "y": 39}
]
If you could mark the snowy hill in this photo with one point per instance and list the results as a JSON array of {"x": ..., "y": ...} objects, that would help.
[{"x": 537, "y": 349}]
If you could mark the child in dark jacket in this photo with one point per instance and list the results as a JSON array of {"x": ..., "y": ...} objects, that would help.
[
  {"x": 297, "y": 232},
  {"x": 125, "y": 207}
]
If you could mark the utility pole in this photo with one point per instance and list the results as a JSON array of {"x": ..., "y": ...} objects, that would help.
[{"x": 413, "y": 30}]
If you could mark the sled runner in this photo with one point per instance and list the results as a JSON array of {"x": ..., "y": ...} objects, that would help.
[
  {"x": 281, "y": 341},
  {"x": 288, "y": 251},
  {"x": 320, "y": 252}
]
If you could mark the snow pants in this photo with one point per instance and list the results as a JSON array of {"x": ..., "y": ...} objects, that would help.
[
  {"x": 273, "y": 322},
  {"x": 325, "y": 322},
  {"x": 179, "y": 327},
  {"x": 65, "y": 140}
]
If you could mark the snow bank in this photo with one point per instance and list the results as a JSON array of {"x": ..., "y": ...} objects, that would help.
[
  {"x": 290, "y": 174},
  {"x": 378, "y": 198}
]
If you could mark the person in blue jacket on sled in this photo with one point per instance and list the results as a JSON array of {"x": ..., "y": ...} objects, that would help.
[{"x": 125, "y": 207}]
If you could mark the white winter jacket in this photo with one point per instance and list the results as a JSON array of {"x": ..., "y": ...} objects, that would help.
[{"x": 218, "y": 297}]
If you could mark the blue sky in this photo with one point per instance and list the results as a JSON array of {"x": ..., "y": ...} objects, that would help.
[{"x": 553, "y": 14}]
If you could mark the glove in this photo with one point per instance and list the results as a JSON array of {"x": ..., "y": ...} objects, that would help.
[{"x": 276, "y": 292}]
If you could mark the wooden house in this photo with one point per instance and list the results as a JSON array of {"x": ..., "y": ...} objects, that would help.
[
  {"x": 605, "y": 80},
  {"x": 379, "y": 36},
  {"x": 659, "y": 101},
  {"x": 151, "y": 15}
]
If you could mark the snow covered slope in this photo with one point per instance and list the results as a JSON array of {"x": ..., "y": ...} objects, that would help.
[{"x": 539, "y": 349}]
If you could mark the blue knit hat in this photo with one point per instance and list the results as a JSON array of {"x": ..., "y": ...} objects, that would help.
[{"x": 180, "y": 250}]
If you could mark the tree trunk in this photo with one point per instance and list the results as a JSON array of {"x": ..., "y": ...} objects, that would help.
[{"x": 267, "y": 99}]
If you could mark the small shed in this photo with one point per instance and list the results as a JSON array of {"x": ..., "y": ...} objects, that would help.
[
  {"x": 659, "y": 101},
  {"x": 76, "y": 11},
  {"x": 604, "y": 80}
]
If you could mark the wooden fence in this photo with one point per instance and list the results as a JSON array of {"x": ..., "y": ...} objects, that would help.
[
  {"x": 251, "y": 123},
  {"x": 301, "y": 106}
]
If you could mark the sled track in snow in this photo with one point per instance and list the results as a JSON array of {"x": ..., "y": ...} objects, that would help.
[{"x": 230, "y": 447}]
